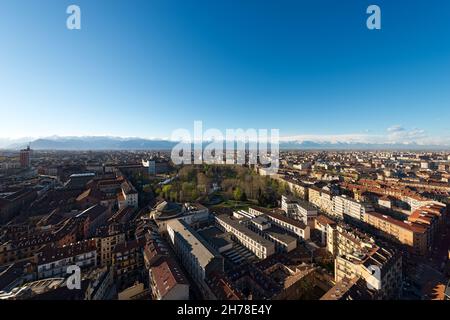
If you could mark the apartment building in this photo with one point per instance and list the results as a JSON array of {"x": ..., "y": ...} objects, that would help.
[
  {"x": 296, "y": 187},
  {"x": 128, "y": 259},
  {"x": 433, "y": 216},
  {"x": 26, "y": 246},
  {"x": 414, "y": 235},
  {"x": 256, "y": 243},
  {"x": 381, "y": 269},
  {"x": 199, "y": 259},
  {"x": 299, "y": 210},
  {"x": 167, "y": 281},
  {"x": 93, "y": 218},
  {"x": 283, "y": 241},
  {"x": 345, "y": 206},
  {"x": 295, "y": 227},
  {"x": 322, "y": 199},
  {"x": 416, "y": 202},
  {"x": 53, "y": 262},
  {"x": 358, "y": 255},
  {"x": 401, "y": 195},
  {"x": 326, "y": 227},
  {"x": 119, "y": 189},
  {"x": 107, "y": 238},
  {"x": 155, "y": 167},
  {"x": 288, "y": 205},
  {"x": 127, "y": 196},
  {"x": 343, "y": 239}
]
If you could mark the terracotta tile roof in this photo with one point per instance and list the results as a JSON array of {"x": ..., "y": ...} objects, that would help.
[
  {"x": 50, "y": 254},
  {"x": 411, "y": 226},
  {"x": 325, "y": 220},
  {"x": 167, "y": 274}
]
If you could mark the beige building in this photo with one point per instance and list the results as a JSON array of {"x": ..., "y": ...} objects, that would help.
[
  {"x": 107, "y": 238},
  {"x": 256, "y": 243},
  {"x": 343, "y": 240},
  {"x": 326, "y": 226},
  {"x": 296, "y": 188},
  {"x": 357, "y": 255},
  {"x": 380, "y": 268},
  {"x": 412, "y": 234},
  {"x": 199, "y": 259},
  {"x": 321, "y": 199},
  {"x": 295, "y": 227},
  {"x": 299, "y": 210},
  {"x": 345, "y": 206}
]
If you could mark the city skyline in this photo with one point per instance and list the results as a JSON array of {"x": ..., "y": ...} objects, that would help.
[
  {"x": 233, "y": 158},
  {"x": 334, "y": 225}
]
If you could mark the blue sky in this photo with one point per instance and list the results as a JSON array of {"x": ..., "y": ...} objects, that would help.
[{"x": 145, "y": 68}]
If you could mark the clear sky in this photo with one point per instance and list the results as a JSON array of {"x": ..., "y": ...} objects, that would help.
[{"x": 310, "y": 68}]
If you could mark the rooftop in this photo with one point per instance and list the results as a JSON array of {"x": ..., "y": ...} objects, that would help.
[
  {"x": 407, "y": 225},
  {"x": 348, "y": 289},
  {"x": 199, "y": 248},
  {"x": 243, "y": 229},
  {"x": 50, "y": 254},
  {"x": 167, "y": 274}
]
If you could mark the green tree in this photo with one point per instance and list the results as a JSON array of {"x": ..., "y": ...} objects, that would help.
[
  {"x": 166, "y": 191},
  {"x": 237, "y": 194}
]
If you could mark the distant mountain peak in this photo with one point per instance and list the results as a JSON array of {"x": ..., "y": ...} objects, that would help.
[{"x": 72, "y": 143}]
